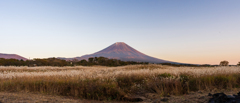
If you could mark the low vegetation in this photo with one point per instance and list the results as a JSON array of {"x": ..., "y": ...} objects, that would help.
[
  {"x": 224, "y": 63},
  {"x": 102, "y": 61},
  {"x": 59, "y": 62},
  {"x": 117, "y": 83}
]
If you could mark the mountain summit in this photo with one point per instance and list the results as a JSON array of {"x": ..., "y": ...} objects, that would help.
[{"x": 124, "y": 52}]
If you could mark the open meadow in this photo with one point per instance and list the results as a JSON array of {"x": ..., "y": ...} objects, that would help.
[{"x": 117, "y": 83}]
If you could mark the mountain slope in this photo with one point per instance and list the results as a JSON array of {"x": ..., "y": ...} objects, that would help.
[
  {"x": 123, "y": 52},
  {"x": 12, "y": 56}
]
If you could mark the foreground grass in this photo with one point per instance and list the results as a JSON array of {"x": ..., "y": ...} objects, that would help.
[{"x": 117, "y": 83}]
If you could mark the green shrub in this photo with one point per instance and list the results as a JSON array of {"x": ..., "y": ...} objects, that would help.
[{"x": 165, "y": 75}]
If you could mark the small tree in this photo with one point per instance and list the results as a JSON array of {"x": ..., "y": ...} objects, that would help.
[
  {"x": 238, "y": 64},
  {"x": 90, "y": 60},
  {"x": 74, "y": 61},
  {"x": 224, "y": 63}
]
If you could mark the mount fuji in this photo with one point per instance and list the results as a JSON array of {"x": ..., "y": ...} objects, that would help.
[{"x": 124, "y": 52}]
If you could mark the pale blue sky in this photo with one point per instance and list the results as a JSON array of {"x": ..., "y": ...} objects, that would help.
[{"x": 188, "y": 31}]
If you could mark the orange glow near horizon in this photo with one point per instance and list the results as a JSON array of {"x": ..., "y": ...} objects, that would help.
[{"x": 202, "y": 59}]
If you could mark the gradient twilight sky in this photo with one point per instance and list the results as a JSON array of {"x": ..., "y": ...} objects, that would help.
[{"x": 187, "y": 31}]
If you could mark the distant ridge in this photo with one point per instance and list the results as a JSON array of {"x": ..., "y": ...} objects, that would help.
[
  {"x": 12, "y": 56},
  {"x": 124, "y": 52}
]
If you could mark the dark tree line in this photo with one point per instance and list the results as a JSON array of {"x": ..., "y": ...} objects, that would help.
[
  {"x": 59, "y": 62},
  {"x": 222, "y": 63},
  {"x": 104, "y": 62},
  {"x": 34, "y": 62},
  {"x": 90, "y": 62},
  {"x": 187, "y": 65},
  {"x": 12, "y": 62}
]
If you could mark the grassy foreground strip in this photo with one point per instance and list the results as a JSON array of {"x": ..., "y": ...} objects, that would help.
[{"x": 119, "y": 83}]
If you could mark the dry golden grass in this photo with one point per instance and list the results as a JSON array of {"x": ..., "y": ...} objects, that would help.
[
  {"x": 107, "y": 83},
  {"x": 102, "y": 72}
]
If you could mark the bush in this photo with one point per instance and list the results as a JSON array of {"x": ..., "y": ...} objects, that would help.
[
  {"x": 165, "y": 75},
  {"x": 224, "y": 63}
]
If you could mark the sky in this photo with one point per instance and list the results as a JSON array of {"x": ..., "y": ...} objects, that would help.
[{"x": 186, "y": 31}]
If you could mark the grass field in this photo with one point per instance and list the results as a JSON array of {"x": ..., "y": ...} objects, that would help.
[{"x": 117, "y": 83}]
